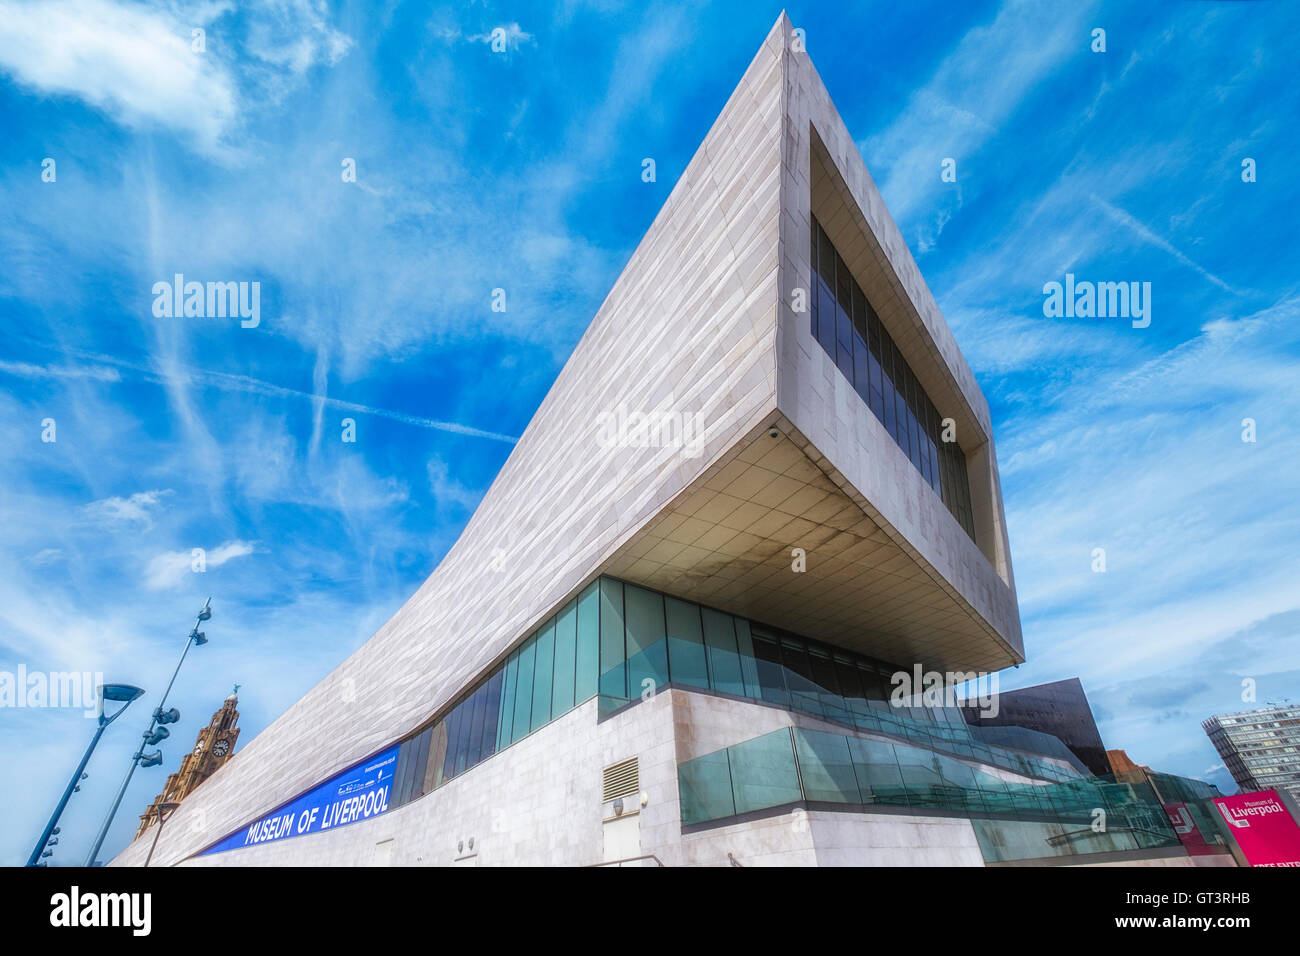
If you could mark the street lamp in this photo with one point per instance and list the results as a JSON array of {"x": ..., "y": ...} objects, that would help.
[
  {"x": 125, "y": 693},
  {"x": 165, "y": 810},
  {"x": 159, "y": 716}
]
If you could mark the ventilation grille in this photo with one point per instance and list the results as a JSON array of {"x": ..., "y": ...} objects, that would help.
[{"x": 621, "y": 780}]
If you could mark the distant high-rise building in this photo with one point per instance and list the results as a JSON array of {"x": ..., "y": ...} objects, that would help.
[{"x": 1260, "y": 748}]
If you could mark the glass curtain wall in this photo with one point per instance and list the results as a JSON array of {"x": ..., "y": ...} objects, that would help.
[
  {"x": 1013, "y": 820},
  {"x": 619, "y": 641}
]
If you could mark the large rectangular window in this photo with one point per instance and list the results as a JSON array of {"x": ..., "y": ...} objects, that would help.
[
  {"x": 566, "y": 656},
  {"x": 523, "y": 723},
  {"x": 851, "y": 333},
  {"x": 588, "y": 644},
  {"x": 543, "y": 669},
  {"x": 647, "y": 648},
  {"x": 613, "y": 651},
  {"x": 724, "y": 660},
  {"x": 686, "y": 657}
]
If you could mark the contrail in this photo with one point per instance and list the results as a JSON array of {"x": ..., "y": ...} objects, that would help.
[{"x": 243, "y": 383}]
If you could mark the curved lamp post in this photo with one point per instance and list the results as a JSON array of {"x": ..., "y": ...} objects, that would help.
[
  {"x": 125, "y": 693},
  {"x": 155, "y": 733}
]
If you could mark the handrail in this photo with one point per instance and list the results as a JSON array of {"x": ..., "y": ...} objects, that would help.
[{"x": 629, "y": 859}]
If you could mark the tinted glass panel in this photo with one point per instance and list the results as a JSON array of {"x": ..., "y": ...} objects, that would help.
[
  {"x": 771, "y": 675},
  {"x": 613, "y": 671},
  {"x": 647, "y": 648},
  {"x": 566, "y": 649},
  {"x": 724, "y": 660},
  {"x": 588, "y": 644},
  {"x": 686, "y": 659},
  {"x": 524, "y": 690},
  {"x": 543, "y": 669}
]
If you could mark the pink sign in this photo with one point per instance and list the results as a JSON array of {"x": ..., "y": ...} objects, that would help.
[{"x": 1263, "y": 828}]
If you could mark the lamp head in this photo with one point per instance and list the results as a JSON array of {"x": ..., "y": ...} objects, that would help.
[{"x": 122, "y": 692}]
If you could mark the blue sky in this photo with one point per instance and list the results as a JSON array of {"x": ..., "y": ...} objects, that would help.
[{"x": 521, "y": 169}]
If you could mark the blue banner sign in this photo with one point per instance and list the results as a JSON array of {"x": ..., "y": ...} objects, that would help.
[{"x": 357, "y": 794}]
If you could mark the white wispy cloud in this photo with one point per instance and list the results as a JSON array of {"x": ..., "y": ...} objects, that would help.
[
  {"x": 169, "y": 569},
  {"x": 143, "y": 65},
  {"x": 973, "y": 92},
  {"x": 133, "y": 61},
  {"x": 28, "y": 370},
  {"x": 136, "y": 509},
  {"x": 177, "y": 373}
]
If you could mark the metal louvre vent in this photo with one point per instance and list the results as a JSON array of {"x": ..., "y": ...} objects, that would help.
[{"x": 621, "y": 780}]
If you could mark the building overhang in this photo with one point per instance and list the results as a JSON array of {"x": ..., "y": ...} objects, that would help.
[{"x": 734, "y": 538}]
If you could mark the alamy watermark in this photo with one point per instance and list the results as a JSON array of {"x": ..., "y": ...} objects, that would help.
[
  {"x": 656, "y": 429},
  {"x": 51, "y": 689},
  {"x": 211, "y": 300},
  {"x": 918, "y": 688},
  {"x": 1102, "y": 300}
]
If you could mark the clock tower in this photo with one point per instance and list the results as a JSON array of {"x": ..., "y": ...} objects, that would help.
[{"x": 213, "y": 747}]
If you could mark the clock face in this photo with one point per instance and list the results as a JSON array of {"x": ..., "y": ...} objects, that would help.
[{"x": 221, "y": 748}]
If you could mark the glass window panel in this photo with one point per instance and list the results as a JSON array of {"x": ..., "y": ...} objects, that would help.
[
  {"x": 859, "y": 312},
  {"x": 900, "y": 405},
  {"x": 825, "y": 767},
  {"x": 566, "y": 650},
  {"x": 748, "y": 667},
  {"x": 826, "y": 316},
  {"x": 477, "y": 706},
  {"x": 647, "y": 647},
  {"x": 401, "y": 773},
  {"x": 850, "y": 683},
  {"x": 509, "y": 677},
  {"x": 861, "y": 374},
  {"x": 687, "y": 662},
  {"x": 449, "y": 761},
  {"x": 491, "y": 714},
  {"x": 873, "y": 684},
  {"x": 705, "y": 788},
  {"x": 890, "y": 393},
  {"x": 804, "y": 692},
  {"x": 588, "y": 644},
  {"x": 613, "y": 670},
  {"x": 460, "y": 737},
  {"x": 724, "y": 660},
  {"x": 524, "y": 690},
  {"x": 844, "y": 361},
  {"x": 543, "y": 669},
  {"x": 812, "y": 274},
  {"x": 877, "y": 387},
  {"x": 437, "y": 756},
  {"x": 921, "y": 776},
  {"x": 876, "y": 770},
  {"x": 825, "y": 257},
  {"x": 763, "y": 772},
  {"x": 771, "y": 675},
  {"x": 823, "y": 672}
]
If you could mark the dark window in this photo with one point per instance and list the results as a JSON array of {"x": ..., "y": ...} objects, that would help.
[
  {"x": 771, "y": 675},
  {"x": 851, "y": 333}
]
